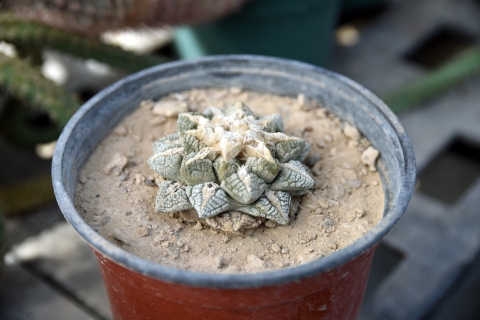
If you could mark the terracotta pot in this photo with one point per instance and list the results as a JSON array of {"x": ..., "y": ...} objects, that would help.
[{"x": 329, "y": 288}]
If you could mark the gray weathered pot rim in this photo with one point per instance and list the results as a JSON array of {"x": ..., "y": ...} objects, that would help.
[{"x": 249, "y": 280}]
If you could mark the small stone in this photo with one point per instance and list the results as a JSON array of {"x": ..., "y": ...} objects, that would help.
[
  {"x": 276, "y": 248},
  {"x": 324, "y": 204},
  {"x": 122, "y": 237},
  {"x": 146, "y": 104},
  {"x": 96, "y": 225},
  {"x": 217, "y": 262},
  {"x": 321, "y": 143},
  {"x": 351, "y": 216},
  {"x": 159, "y": 238},
  {"x": 180, "y": 244},
  {"x": 285, "y": 251},
  {"x": 328, "y": 138},
  {"x": 318, "y": 211},
  {"x": 315, "y": 219},
  {"x": 308, "y": 129},
  {"x": 169, "y": 109},
  {"x": 173, "y": 253},
  {"x": 198, "y": 226},
  {"x": 321, "y": 113},
  {"x": 120, "y": 130},
  {"x": 254, "y": 262},
  {"x": 353, "y": 144},
  {"x": 127, "y": 213},
  {"x": 350, "y": 174},
  {"x": 116, "y": 165},
  {"x": 331, "y": 244},
  {"x": 83, "y": 179},
  {"x": 354, "y": 183},
  {"x": 225, "y": 238},
  {"x": 375, "y": 183},
  {"x": 270, "y": 224},
  {"x": 142, "y": 231},
  {"x": 165, "y": 244},
  {"x": 138, "y": 179},
  {"x": 105, "y": 220},
  {"x": 157, "y": 120},
  {"x": 303, "y": 103},
  {"x": 369, "y": 157},
  {"x": 327, "y": 222},
  {"x": 359, "y": 212},
  {"x": 150, "y": 182},
  {"x": 186, "y": 248},
  {"x": 311, "y": 236},
  {"x": 351, "y": 132},
  {"x": 181, "y": 96},
  {"x": 124, "y": 176}
]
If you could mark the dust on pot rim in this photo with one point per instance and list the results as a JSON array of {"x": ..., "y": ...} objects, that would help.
[{"x": 342, "y": 96}]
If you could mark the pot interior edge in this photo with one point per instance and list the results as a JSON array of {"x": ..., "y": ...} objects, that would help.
[{"x": 106, "y": 110}]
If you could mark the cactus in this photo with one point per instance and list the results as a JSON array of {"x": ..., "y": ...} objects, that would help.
[
  {"x": 94, "y": 16},
  {"x": 34, "y": 35},
  {"x": 26, "y": 83},
  {"x": 226, "y": 163}
]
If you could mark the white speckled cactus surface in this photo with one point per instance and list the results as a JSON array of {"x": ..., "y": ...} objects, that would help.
[{"x": 230, "y": 161}]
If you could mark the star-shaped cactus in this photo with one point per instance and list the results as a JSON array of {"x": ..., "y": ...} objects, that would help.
[{"x": 230, "y": 161}]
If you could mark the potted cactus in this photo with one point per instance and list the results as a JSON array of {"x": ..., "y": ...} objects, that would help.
[
  {"x": 228, "y": 163},
  {"x": 226, "y": 176}
]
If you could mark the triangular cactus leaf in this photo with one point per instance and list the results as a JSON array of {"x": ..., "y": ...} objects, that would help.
[
  {"x": 304, "y": 153},
  {"x": 292, "y": 177},
  {"x": 272, "y": 123},
  {"x": 189, "y": 121},
  {"x": 209, "y": 199},
  {"x": 239, "y": 108},
  {"x": 290, "y": 149},
  {"x": 172, "y": 197},
  {"x": 244, "y": 187},
  {"x": 168, "y": 163},
  {"x": 223, "y": 169},
  {"x": 192, "y": 144},
  {"x": 274, "y": 206},
  {"x": 168, "y": 142},
  {"x": 196, "y": 171},
  {"x": 263, "y": 168}
]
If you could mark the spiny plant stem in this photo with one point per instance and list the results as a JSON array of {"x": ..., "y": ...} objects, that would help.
[
  {"x": 436, "y": 82},
  {"x": 26, "y": 83},
  {"x": 30, "y": 34}
]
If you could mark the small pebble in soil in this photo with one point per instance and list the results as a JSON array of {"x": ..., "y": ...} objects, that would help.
[
  {"x": 369, "y": 157},
  {"x": 254, "y": 262},
  {"x": 351, "y": 132},
  {"x": 276, "y": 248},
  {"x": 316, "y": 219},
  {"x": 359, "y": 212},
  {"x": 121, "y": 236},
  {"x": 327, "y": 222},
  {"x": 150, "y": 182},
  {"x": 354, "y": 183},
  {"x": 105, "y": 220},
  {"x": 180, "y": 244},
  {"x": 142, "y": 231},
  {"x": 270, "y": 224}
]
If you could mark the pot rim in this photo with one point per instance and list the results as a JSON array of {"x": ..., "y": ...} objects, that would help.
[{"x": 234, "y": 281}]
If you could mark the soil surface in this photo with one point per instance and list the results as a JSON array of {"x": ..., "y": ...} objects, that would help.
[{"x": 117, "y": 189}]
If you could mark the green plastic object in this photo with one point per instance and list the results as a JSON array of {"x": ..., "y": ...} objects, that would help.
[{"x": 300, "y": 30}]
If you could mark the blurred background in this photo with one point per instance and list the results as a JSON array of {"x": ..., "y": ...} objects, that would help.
[{"x": 422, "y": 57}]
